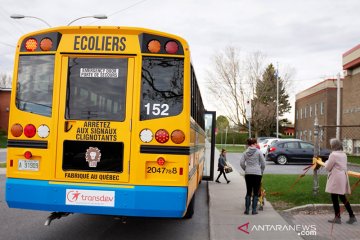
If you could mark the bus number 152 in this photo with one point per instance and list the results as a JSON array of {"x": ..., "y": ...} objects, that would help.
[{"x": 157, "y": 109}]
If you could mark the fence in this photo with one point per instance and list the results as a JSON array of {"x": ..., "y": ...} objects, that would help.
[{"x": 350, "y": 137}]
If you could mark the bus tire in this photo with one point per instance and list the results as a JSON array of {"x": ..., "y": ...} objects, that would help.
[{"x": 190, "y": 210}]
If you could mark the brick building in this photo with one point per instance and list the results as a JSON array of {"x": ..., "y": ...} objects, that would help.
[
  {"x": 4, "y": 108},
  {"x": 351, "y": 100},
  {"x": 318, "y": 100}
]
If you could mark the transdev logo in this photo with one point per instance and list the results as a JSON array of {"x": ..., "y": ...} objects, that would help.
[{"x": 90, "y": 198}]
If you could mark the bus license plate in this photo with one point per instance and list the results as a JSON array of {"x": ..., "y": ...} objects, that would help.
[{"x": 30, "y": 165}]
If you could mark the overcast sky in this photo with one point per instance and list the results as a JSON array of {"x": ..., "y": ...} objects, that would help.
[{"x": 309, "y": 35}]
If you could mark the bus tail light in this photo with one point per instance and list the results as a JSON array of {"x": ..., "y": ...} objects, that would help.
[
  {"x": 171, "y": 47},
  {"x": 154, "y": 46},
  {"x": 160, "y": 161},
  {"x": 31, "y": 45},
  {"x": 27, "y": 155},
  {"x": 162, "y": 136},
  {"x": 46, "y": 44},
  {"x": 177, "y": 136},
  {"x": 29, "y": 130},
  {"x": 43, "y": 131},
  {"x": 16, "y": 130}
]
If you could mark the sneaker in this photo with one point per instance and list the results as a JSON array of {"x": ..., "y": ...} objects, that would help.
[
  {"x": 336, "y": 220},
  {"x": 217, "y": 181},
  {"x": 228, "y": 181},
  {"x": 351, "y": 220}
]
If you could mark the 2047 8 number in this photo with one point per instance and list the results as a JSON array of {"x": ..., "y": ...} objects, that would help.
[{"x": 162, "y": 170}]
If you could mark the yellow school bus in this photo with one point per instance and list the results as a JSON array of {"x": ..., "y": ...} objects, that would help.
[{"x": 104, "y": 120}]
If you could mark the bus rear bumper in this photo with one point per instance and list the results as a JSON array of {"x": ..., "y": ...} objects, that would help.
[{"x": 117, "y": 200}]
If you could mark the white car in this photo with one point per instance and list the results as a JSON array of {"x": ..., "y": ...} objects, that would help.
[{"x": 263, "y": 145}]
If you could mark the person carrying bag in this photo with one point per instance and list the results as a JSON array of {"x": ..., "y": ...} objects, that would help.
[{"x": 222, "y": 165}]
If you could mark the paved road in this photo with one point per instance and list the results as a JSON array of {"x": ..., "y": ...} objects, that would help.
[
  {"x": 25, "y": 224},
  {"x": 2, "y": 156}
]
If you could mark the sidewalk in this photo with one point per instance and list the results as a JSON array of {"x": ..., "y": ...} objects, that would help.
[{"x": 226, "y": 207}]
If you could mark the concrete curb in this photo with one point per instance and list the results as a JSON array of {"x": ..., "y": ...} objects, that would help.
[{"x": 317, "y": 207}]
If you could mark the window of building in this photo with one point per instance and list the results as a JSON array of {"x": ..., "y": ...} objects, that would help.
[
  {"x": 322, "y": 108},
  {"x": 310, "y": 111},
  {"x": 305, "y": 112},
  {"x": 301, "y": 113},
  {"x": 315, "y": 110}
]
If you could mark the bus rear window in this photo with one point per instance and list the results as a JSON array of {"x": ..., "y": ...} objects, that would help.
[
  {"x": 162, "y": 87},
  {"x": 34, "y": 90},
  {"x": 96, "y": 89}
]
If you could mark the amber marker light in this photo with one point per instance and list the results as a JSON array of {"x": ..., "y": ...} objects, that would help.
[
  {"x": 154, "y": 46},
  {"x": 177, "y": 136},
  {"x": 16, "y": 130},
  {"x": 31, "y": 44},
  {"x": 46, "y": 44}
]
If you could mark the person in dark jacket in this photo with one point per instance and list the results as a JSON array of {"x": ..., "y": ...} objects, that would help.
[
  {"x": 221, "y": 166},
  {"x": 253, "y": 163}
]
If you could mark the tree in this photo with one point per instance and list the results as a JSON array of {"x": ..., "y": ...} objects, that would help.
[
  {"x": 227, "y": 85},
  {"x": 5, "y": 80},
  {"x": 264, "y": 116},
  {"x": 222, "y": 123}
]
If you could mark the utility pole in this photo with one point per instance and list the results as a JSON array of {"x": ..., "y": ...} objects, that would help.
[
  {"x": 316, "y": 154},
  {"x": 277, "y": 101},
  {"x": 338, "y": 110},
  {"x": 248, "y": 114}
]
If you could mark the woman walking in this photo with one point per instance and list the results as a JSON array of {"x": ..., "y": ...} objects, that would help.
[
  {"x": 253, "y": 163},
  {"x": 338, "y": 181},
  {"x": 221, "y": 166}
]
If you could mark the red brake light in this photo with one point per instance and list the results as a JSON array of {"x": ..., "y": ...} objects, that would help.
[
  {"x": 31, "y": 44},
  {"x": 272, "y": 149},
  {"x": 29, "y": 130},
  {"x": 160, "y": 161},
  {"x": 27, "y": 154},
  {"x": 162, "y": 136},
  {"x": 46, "y": 44},
  {"x": 171, "y": 47}
]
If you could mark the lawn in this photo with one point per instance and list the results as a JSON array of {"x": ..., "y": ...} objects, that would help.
[
  {"x": 2, "y": 165},
  {"x": 231, "y": 148},
  {"x": 354, "y": 159},
  {"x": 282, "y": 195}
]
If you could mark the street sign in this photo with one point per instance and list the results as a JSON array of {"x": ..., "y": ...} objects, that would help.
[{"x": 248, "y": 109}]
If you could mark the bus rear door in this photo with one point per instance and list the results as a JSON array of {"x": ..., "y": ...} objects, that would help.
[{"x": 94, "y": 119}]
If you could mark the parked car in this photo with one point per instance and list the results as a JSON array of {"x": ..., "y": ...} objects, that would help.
[
  {"x": 285, "y": 151},
  {"x": 263, "y": 145},
  {"x": 275, "y": 140}
]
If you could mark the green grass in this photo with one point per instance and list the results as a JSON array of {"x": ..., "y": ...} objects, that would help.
[
  {"x": 3, "y": 139},
  {"x": 2, "y": 165},
  {"x": 282, "y": 196},
  {"x": 231, "y": 148},
  {"x": 354, "y": 159}
]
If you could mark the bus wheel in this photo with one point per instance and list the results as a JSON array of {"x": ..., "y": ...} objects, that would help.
[{"x": 190, "y": 210}]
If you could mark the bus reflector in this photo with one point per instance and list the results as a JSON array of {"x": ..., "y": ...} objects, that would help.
[
  {"x": 177, "y": 136},
  {"x": 154, "y": 46},
  {"x": 160, "y": 161},
  {"x": 46, "y": 44},
  {"x": 43, "y": 131},
  {"x": 16, "y": 130},
  {"x": 27, "y": 154},
  {"x": 29, "y": 130},
  {"x": 31, "y": 44},
  {"x": 171, "y": 47},
  {"x": 162, "y": 136},
  {"x": 11, "y": 163},
  {"x": 146, "y": 135},
  {"x": 181, "y": 171}
]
